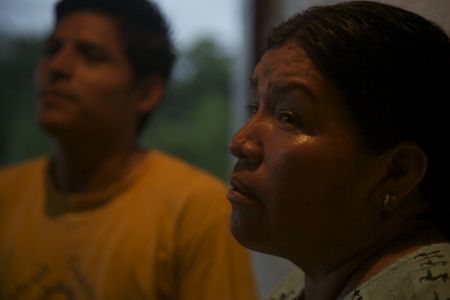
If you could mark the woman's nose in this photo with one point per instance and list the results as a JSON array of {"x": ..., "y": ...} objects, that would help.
[{"x": 246, "y": 144}]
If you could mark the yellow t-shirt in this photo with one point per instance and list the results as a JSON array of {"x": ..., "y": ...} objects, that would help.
[{"x": 161, "y": 232}]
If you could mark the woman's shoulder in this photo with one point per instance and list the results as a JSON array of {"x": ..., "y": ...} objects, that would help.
[
  {"x": 290, "y": 288},
  {"x": 424, "y": 272}
]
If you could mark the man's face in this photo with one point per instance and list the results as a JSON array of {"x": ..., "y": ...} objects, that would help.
[{"x": 84, "y": 81}]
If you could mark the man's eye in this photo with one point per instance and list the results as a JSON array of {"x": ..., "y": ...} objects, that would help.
[
  {"x": 51, "y": 48},
  {"x": 93, "y": 55}
]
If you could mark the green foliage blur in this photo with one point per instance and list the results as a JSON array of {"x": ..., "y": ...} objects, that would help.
[{"x": 191, "y": 122}]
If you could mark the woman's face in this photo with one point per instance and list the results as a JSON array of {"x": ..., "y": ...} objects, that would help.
[{"x": 301, "y": 185}]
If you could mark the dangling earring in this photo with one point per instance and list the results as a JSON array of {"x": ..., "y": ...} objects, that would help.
[{"x": 385, "y": 213}]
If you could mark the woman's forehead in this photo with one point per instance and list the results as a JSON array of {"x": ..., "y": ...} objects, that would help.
[
  {"x": 284, "y": 66},
  {"x": 286, "y": 61}
]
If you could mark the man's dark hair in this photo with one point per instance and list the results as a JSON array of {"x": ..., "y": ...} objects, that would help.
[
  {"x": 393, "y": 67},
  {"x": 144, "y": 32}
]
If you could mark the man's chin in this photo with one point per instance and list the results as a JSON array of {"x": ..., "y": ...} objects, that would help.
[{"x": 54, "y": 127}]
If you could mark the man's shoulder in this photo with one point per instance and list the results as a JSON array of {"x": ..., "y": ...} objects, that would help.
[
  {"x": 177, "y": 170},
  {"x": 183, "y": 187},
  {"x": 23, "y": 168},
  {"x": 16, "y": 179}
]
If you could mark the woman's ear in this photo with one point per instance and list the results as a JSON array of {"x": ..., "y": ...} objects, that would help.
[
  {"x": 149, "y": 93},
  {"x": 405, "y": 168}
]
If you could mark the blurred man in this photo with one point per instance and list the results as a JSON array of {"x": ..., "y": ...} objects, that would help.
[{"x": 103, "y": 218}]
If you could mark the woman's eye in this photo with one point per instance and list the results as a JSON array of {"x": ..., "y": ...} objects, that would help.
[{"x": 289, "y": 118}]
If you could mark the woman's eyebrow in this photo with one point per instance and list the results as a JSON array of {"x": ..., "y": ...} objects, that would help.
[{"x": 289, "y": 85}]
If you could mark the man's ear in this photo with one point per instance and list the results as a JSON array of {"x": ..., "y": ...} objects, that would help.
[
  {"x": 405, "y": 168},
  {"x": 149, "y": 93}
]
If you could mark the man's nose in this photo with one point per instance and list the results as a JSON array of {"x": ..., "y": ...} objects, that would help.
[{"x": 61, "y": 63}]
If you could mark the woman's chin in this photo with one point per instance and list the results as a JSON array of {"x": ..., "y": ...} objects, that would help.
[{"x": 251, "y": 236}]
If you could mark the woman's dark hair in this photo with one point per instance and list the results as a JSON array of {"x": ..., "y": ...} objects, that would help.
[{"x": 393, "y": 67}]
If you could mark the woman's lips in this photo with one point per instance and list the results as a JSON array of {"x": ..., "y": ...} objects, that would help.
[{"x": 239, "y": 192}]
